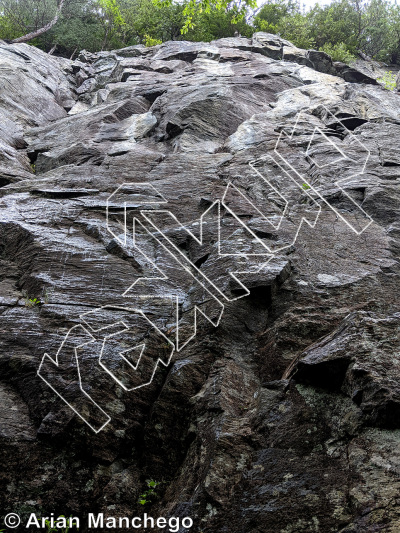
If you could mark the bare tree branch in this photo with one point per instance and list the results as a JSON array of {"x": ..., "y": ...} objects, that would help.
[{"x": 53, "y": 48}]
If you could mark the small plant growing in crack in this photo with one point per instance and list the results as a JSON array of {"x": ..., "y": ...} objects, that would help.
[
  {"x": 306, "y": 199},
  {"x": 32, "y": 302},
  {"x": 150, "y": 492},
  {"x": 52, "y": 529}
]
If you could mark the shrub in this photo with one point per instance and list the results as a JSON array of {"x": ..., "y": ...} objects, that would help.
[
  {"x": 149, "y": 41},
  {"x": 150, "y": 492},
  {"x": 338, "y": 52}
]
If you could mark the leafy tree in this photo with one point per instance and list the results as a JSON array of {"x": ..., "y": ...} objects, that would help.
[
  {"x": 237, "y": 8},
  {"x": 395, "y": 33},
  {"x": 25, "y": 16},
  {"x": 270, "y": 16},
  {"x": 216, "y": 25},
  {"x": 296, "y": 28},
  {"x": 338, "y": 22},
  {"x": 111, "y": 19},
  {"x": 40, "y": 31},
  {"x": 79, "y": 27},
  {"x": 341, "y": 28},
  {"x": 377, "y": 37},
  {"x": 143, "y": 21}
]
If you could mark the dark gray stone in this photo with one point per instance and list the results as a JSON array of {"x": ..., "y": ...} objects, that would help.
[{"x": 284, "y": 418}]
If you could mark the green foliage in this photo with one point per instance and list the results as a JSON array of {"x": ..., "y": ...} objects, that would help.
[
  {"x": 305, "y": 186},
  {"x": 51, "y": 529},
  {"x": 18, "y": 17},
  {"x": 375, "y": 39},
  {"x": 149, "y": 41},
  {"x": 32, "y": 302},
  {"x": 238, "y": 10},
  {"x": 144, "y": 21},
  {"x": 216, "y": 25},
  {"x": 286, "y": 19},
  {"x": 296, "y": 29},
  {"x": 111, "y": 11},
  {"x": 335, "y": 23},
  {"x": 150, "y": 493},
  {"x": 270, "y": 16},
  {"x": 112, "y": 21},
  {"x": 338, "y": 52},
  {"x": 370, "y": 26},
  {"x": 341, "y": 28},
  {"x": 388, "y": 80}
]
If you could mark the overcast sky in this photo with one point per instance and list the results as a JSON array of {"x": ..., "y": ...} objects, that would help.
[{"x": 311, "y": 3}]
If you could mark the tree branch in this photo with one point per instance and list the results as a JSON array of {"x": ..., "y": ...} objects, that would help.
[{"x": 40, "y": 31}]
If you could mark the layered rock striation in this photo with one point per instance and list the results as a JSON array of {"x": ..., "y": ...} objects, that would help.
[{"x": 278, "y": 410}]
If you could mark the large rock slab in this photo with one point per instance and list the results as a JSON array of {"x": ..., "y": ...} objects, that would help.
[
  {"x": 264, "y": 184},
  {"x": 359, "y": 358}
]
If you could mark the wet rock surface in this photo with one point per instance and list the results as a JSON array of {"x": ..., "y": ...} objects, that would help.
[{"x": 280, "y": 412}]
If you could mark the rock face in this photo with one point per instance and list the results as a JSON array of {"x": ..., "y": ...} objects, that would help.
[{"x": 261, "y": 273}]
